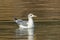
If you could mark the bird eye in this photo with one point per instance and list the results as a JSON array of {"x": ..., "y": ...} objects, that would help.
[{"x": 30, "y": 15}]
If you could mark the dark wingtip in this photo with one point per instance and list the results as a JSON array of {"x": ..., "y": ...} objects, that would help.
[{"x": 15, "y": 18}]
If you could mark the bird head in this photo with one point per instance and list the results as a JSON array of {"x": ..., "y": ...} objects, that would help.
[{"x": 31, "y": 15}]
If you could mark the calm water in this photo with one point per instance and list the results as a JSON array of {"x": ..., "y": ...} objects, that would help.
[{"x": 43, "y": 31}]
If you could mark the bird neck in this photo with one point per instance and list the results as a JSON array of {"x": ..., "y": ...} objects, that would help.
[{"x": 30, "y": 20}]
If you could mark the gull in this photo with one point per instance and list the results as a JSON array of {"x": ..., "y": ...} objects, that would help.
[{"x": 29, "y": 24}]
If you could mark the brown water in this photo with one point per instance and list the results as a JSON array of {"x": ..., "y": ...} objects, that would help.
[{"x": 43, "y": 31}]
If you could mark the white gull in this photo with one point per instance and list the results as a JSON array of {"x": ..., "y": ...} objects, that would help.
[{"x": 26, "y": 26}]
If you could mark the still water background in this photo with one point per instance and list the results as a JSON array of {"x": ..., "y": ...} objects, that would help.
[{"x": 48, "y": 30}]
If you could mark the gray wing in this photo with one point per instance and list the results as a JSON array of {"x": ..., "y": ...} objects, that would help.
[
  {"x": 21, "y": 22},
  {"x": 24, "y": 23}
]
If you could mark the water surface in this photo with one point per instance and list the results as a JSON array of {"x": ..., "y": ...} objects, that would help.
[{"x": 43, "y": 31}]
